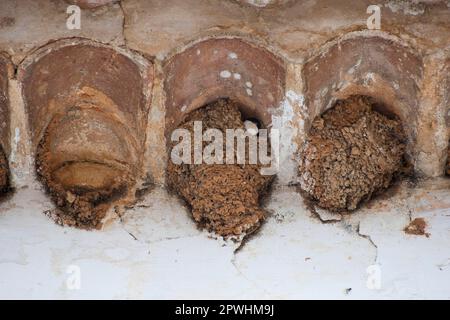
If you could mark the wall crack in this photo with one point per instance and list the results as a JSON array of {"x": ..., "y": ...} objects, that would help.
[{"x": 370, "y": 240}]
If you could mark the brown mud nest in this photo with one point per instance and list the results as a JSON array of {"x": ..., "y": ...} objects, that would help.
[
  {"x": 83, "y": 190},
  {"x": 224, "y": 198},
  {"x": 352, "y": 153}
]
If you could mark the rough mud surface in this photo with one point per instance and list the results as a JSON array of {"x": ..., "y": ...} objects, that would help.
[
  {"x": 82, "y": 190},
  {"x": 417, "y": 227},
  {"x": 4, "y": 173},
  {"x": 352, "y": 152},
  {"x": 224, "y": 198}
]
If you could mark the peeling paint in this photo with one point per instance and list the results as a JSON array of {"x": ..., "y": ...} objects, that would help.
[{"x": 283, "y": 120}]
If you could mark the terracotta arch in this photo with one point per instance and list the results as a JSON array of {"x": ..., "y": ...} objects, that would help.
[
  {"x": 223, "y": 68},
  {"x": 375, "y": 66}
]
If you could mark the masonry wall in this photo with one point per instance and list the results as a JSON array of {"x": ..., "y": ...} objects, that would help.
[{"x": 299, "y": 57}]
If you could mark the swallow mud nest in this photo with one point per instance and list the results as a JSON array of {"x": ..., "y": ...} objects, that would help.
[
  {"x": 352, "y": 152},
  {"x": 224, "y": 198},
  {"x": 83, "y": 190}
]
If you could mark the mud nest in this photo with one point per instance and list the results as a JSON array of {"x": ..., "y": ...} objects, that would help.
[
  {"x": 72, "y": 186},
  {"x": 352, "y": 152},
  {"x": 224, "y": 198}
]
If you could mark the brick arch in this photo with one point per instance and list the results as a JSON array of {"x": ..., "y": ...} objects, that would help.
[
  {"x": 223, "y": 68},
  {"x": 374, "y": 66}
]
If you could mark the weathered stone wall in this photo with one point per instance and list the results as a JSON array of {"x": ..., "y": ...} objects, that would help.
[{"x": 297, "y": 56}]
